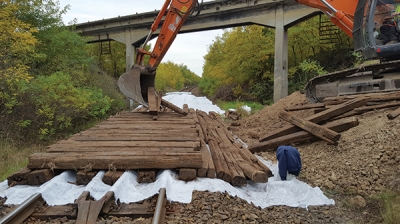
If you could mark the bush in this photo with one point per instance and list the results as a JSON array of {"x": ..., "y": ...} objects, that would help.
[
  {"x": 300, "y": 75},
  {"x": 54, "y": 103}
]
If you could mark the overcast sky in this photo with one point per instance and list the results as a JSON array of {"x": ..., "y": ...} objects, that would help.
[{"x": 188, "y": 49}]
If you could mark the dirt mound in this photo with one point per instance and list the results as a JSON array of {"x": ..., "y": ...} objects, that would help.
[
  {"x": 267, "y": 119},
  {"x": 365, "y": 162}
]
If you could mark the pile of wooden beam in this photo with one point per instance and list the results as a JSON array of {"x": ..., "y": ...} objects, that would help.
[
  {"x": 331, "y": 117},
  {"x": 233, "y": 163},
  {"x": 147, "y": 143}
]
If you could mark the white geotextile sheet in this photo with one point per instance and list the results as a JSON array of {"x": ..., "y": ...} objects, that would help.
[
  {"x": 197, "y": 103},
  {"x": 61, "y": 190}
]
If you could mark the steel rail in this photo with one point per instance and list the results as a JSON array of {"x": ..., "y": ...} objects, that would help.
[
  {"x": 159, "y": 214},
  {"x": 23, "y": 211}
]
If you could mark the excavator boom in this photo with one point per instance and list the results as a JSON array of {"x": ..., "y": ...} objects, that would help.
[
  {"x": 341, "y": 12},
  {"x": 138, "y": 83}
]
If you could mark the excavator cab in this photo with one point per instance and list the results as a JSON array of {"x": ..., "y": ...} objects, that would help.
[{"x": 376, "y": 29}]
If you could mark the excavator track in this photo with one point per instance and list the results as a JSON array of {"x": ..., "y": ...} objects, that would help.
[{"x": 383, "y": 77}]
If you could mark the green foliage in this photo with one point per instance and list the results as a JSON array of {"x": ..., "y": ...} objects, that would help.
[
  {"x": 305, "y": 71},
  {"x": 110, "y": 56},
  {"x": 169, "y": 76},
  {"x": 62, "y": 50},
  {"x": 56, "y": 103},
  {"x": 49, "y": 84},
  {"x": 391, "y": 208},
  {"x": 41, "y": 14},
  {"x": 17, "y": 45},
  {"x": 226, "y": 105},
  {"x": 224, "y": 66},
  {"x": 191, "y": 79}
]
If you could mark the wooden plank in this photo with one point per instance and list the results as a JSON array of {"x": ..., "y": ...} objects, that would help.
[
  {"x": 221, "y": 168},
  {"x": 39, "y": 177},
  {"x": 147, "y": 176},
  {"x": 85, "y": 149},
  {"x": 96, "y": 207},
  {"x": 302, "y": 136},
  {"x": 152, "y": 101},
  {"x": 137, "y": 131},
  {"x": 173, "y": 107},
  {"x": 141, "y": 121},
  {"x": 238, "y": 178},
  {"x": 83, "y": 210},
  {"x": 306, "y": 106},
  {"x": 84, "y": 177},
  {"x": 131, "y": 138},
  {"x": 186, "y": 174},
  {"x": 316, "y": 118},
  {"x": 19, "y": 178},
  {"x": 250, "y": 171},
  {"x": 54, "y": 212},
  {"x": 83, "y": 197},
  {"x": 135, "y": 135},
  {"x": 321, "y": 132},
  {"x": 145, "y": 144},
  {"x": 202, "y": 172},
  {"x": 375, "y": 107},
  {"x": 370, "y": 97},
  {"x": 110, "y": 177},
  {"x": 203, "y": 125},
  {"x": 347, "y": 114},
  {"x": 147, "y": 126},
  {"x": 392, "y": 115},
  {"x": 121, "y": 161},
  {"x": 159, "y": 98},
  {"x": 186, "y": 108},
  {"x": 146, "y": 115}
]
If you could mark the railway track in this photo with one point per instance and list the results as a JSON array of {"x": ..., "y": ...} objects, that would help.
[{"x": 87, "y": 211}]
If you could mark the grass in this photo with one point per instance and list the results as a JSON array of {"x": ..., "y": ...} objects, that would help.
[
  {"x": 14, "y": 157},
  {"x": 226, "y": 105},
  {"x": 14, "y": 154},
  {"x": 391, "y": 207}
]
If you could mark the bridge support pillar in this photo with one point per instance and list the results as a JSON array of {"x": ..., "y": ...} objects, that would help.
[
  {"x": 281, "y": 56},
  {"x": 130, "y": 50}
]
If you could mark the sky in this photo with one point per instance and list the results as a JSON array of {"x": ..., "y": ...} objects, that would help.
[{"x": 188, "y": 49}]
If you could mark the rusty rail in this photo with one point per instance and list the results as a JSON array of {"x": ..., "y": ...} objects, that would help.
[
  {"x": 23, "y": 211},
  {"x": 159, "y": 213}
]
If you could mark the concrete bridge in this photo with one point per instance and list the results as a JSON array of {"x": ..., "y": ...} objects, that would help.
[{"x": 219, "y": 14}]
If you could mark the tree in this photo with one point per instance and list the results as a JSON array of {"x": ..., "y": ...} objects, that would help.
[
  {"x": 17, "y": 49},
  {"x": 191, "y": 79},
  {"x": 236, "y": 60},
  {"x": 48, "y": 82},
  {"x": 169, "y": 76}
]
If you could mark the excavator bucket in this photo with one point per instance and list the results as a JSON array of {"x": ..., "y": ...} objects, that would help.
[{"x": 135, "y": 83}]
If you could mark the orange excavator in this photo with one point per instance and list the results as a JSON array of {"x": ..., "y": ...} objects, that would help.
[{"x": 360, "y": 19}]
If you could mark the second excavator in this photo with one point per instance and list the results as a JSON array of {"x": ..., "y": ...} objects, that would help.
[{"x": 368, "y": 22}]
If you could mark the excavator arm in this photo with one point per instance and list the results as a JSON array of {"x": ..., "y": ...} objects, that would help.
[
  {"x": 341, "y": 12},
  {"x": 176, "y": 12},
  {"x": 138, "y": 83}
]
